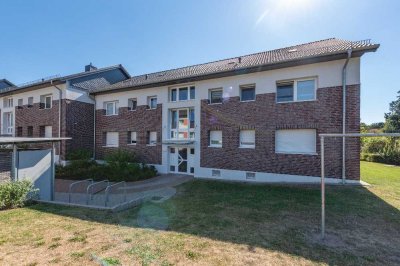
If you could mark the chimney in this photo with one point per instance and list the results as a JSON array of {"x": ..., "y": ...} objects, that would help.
[{"x": 90, "y": 67}]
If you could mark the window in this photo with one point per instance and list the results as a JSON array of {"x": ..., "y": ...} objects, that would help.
[
  {"x": 112, "y": 139},
  {"x": 182, "y": 94},
  {"x": 247, "y": 138},
  {"x": 182, "y": 123},
  {"x": 297, "y": 141},
  {"x": 247, "y": 93},
  {"x": 215, "y": 96},
  {"x": 216, "y": 173},
  {"x": 152, "y": 137},
  {"x": 132, "y": 138},
  {"x": 250, "y": 175},
  {"x": 192, "y": 151},
  {"x": 30, "y": 131},
  {"x": 19, "y": 131},
  {"x": 48, "y": 131},
  {"x": 30, "y": 101},
  {"x": 8, "y": 123},
  {"x": 215, "y": 138},
  {"x": 111, "y": 108},
  {"x": 297, "y": 90},
  {"x": 8, "y": 102},
  {"x": 132, "y": 104},
  {"x": 20, "y": 103},
  {"x": 152, "y": 102},
  {"x": 45, "y": 101}
]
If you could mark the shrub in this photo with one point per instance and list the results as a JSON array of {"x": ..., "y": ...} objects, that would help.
[
  {"x": 79, "y": 154},
  {"x": 16, "y": 194},
  {"x": 374, "y": 145},
  {"x": 120, "y": 165}
]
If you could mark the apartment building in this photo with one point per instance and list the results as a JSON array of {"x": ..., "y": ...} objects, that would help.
[
  {"x": 58, "y": 106},
  {"x": 253, "y": 117}
]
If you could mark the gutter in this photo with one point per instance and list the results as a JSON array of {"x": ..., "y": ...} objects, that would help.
[
  {"x": 344, "y": 85},
  {"x": 59, "y": 114}
]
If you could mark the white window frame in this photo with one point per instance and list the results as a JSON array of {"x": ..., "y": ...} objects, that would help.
[
  {"x": 46, "y": 130},
  {"x": 133, "y": 140},
  {"x": 45, "y": 97},
  {"x": 314, "y": 152},
  {"x": 211, "y": 144},
  {"x": 30, "y": 101},
  {"x": 112, "y": 145},
  {"x": 115, "y": 107},
  {"x": 177, "y": 89},
  {"x": 247, "y": 145},
  {"x": 129, "y": 102},
  {"x": 213, "y": 90},
  {"x": 8, "y": 102},
  {"x": 9, "y": 117},
  {"x": 150, "y": 141},
  {"x": 295, "y": 81},
  {"x": 247, "y": 86},
  {"x": 149, "y": 102},
  {"x": 174, "y": 132}
]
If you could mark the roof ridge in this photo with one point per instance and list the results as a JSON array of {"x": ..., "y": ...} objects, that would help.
[{"x": 227, "y": 59}]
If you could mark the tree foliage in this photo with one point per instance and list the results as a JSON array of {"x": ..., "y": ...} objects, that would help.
[{"x": 392, "y": 118}]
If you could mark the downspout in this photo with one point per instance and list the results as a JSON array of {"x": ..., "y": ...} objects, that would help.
[
  {"x": 59, "y": 115},
  {"x": 344, "y": 79},
  {"x": 94, "y": 126}
]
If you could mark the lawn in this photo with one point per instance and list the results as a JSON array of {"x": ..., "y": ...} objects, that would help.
[{"x": 216, "y": 223}]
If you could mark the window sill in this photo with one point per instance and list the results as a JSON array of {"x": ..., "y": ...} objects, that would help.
[
  {"x": 149, "y": 109},
  {"x": 131, "y": 144},
  {"x": 248, "y": 101},
  {"x": 314, "y": 100},
  {"x": 111, "y": 115},
  {"x": 214, "y": 103},
  {"x": 110, "y": 146},
  {"x": 132, "y": 110},
  {"x": 151, "y": 145},
  {"x": 179, "y": 101},
  {"x": 247, "y": 147},
  {"x": 297, "y": 153},
  {"x": 215, "y": 146}
]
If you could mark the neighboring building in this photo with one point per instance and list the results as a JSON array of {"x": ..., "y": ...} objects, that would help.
[
  {"x": 56, "y": 106},
  {"x": 253, "y": 117}
]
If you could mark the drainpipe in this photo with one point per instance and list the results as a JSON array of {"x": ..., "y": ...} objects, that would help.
[
  {"x": 344, "y": 77},
  {"x": 94, "y": 126},
  {"x": 59, "y": 115}
]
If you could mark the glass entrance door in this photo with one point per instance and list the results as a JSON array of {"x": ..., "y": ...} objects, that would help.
[{"x": 182, "y": 160}]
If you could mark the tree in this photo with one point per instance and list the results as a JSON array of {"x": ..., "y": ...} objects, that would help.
[{"x": 392, "y": 123}]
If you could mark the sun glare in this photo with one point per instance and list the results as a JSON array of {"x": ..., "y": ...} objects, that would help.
[{"x": 282, "y": 12}]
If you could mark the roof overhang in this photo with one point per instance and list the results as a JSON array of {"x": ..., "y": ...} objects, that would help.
[{"x": 253, "y": 69}]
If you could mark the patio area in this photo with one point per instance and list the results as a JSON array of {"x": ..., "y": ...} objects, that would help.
[{"x": 124, "y": 195}]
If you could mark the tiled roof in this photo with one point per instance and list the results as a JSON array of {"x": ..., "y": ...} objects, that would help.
[
  {"x": 293, "y": 53},
  {"x": 6, "y": 85},
  {"x": 64, "y": 78}
]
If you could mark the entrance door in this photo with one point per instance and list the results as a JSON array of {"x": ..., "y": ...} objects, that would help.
[
  {"x": 179, "y": 161},
  {"x": 182, "y": 160}
]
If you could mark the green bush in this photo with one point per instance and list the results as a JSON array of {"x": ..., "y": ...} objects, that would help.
[
  {"x": 374, "y": 145},
  {"x": 120, "y": 165},
  {"x": 16, "y": 194},
  {"x": 79, "y": 154}
]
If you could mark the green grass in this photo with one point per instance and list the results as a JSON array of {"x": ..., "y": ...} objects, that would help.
[{"x": 217, "y": 223}]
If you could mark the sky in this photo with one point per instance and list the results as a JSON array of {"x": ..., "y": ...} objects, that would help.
[{"x": 47, "y": 37}]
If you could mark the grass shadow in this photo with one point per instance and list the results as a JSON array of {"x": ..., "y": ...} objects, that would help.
[{"x": 361, "y": 227}]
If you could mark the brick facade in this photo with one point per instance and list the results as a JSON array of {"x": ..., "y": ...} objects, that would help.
[
  {"x": 141, "y": 121},
  {"x": 76, "y": 122},
  {"x": 266, "y": 116},
  {"x": 5, "y": 165}
]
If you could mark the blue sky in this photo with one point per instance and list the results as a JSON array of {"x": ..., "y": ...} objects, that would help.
[{"x": 43, "y": 38}]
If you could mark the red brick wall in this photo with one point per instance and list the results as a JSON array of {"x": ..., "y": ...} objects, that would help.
[
  {"x": 140, "y": 121},
  {"x": 76, "y": 122},
  {"x": 266, "y": 116}
]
